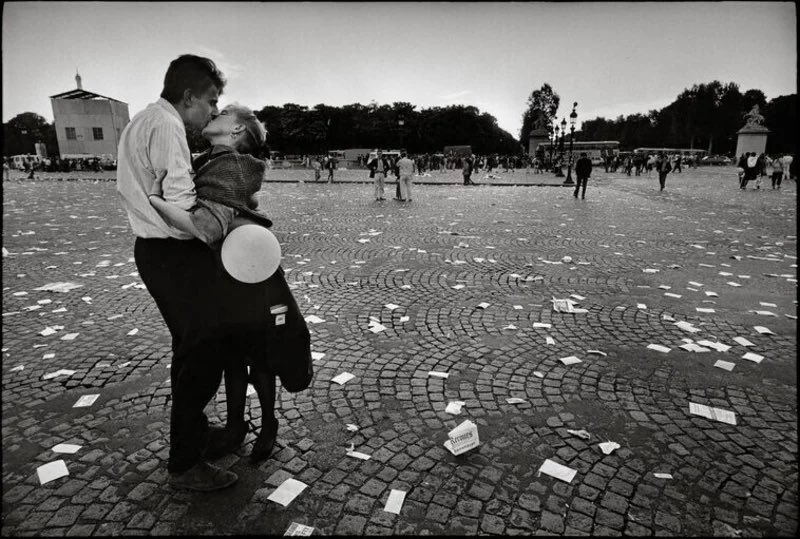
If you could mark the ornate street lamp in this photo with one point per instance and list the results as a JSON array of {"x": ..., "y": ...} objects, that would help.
[
  {"x": 401, "y": 121},
  {"x": 559, "y": 170},
  {"x": 573, "y": 117},
  {"x": 553, "y": 147}
]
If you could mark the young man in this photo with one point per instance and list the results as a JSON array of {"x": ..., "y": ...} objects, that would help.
[
  {"x": 583, "y": 169},
  {"x": 406, "y": 168},
  {"x": 179, "y": 271},
  {"x": 663, "y": 168},
  {"x": 378, "y": 170}
]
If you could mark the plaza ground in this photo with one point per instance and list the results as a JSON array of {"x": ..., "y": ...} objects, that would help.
[{"x": 729, "y": 255}]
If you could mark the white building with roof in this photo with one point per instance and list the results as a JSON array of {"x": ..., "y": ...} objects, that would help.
[{"x": 88, "y": 124}]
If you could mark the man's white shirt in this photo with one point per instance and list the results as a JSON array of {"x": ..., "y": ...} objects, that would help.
[{"x": 153, "y": 146}]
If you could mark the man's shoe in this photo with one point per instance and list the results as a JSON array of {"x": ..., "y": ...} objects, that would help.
[{"x": 203, "y": 477}]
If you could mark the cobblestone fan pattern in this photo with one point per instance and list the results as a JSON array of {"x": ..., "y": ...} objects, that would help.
[{"x": 633, "y": 249}]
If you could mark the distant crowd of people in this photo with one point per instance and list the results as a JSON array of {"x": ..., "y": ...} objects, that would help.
[
  {"x": 57, "y": 164},
  {"x": 640, "y": 162}
]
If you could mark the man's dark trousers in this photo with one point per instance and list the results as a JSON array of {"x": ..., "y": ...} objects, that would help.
[
  {"x": 581, "y": 181},
  {"x": 181, "y": 277}
]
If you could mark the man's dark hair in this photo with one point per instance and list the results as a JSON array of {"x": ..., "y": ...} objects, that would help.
[
  {"x": 191, "y": 72},
  {"x": 583, "y": 154}
]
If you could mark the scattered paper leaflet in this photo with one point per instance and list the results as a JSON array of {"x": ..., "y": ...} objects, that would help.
[
  {"x": 462, "y": 438},
  {"x": 559, "y": 471},
  {"x": 566, "y": 306},
  {"x": 52, "y": 470},
  {"x": 715, "y": 414},
  {"x": 299, "y": 530}
]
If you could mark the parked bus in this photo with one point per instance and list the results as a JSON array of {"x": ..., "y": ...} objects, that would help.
[
  {"x": 699, "y": 154},
  {"x": 458, "y": 151},
  {"x": 596, "y": 150}
]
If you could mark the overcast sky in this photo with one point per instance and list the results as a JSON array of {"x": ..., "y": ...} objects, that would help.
[{"x": 612, "y": 58}]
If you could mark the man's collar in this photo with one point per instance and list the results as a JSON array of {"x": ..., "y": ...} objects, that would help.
[{"x": 169, "y": 107}]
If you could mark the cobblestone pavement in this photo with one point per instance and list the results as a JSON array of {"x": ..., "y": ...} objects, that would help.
[{"x": 348, "y": 257}]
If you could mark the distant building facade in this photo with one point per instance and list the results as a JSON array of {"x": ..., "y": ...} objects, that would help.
[{"x": 87, "y": 124}]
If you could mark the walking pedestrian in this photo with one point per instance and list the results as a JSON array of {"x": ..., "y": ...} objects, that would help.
[
  {"x": 179, "y": 271},
  {"x": 407, "y": 168},
  {"x": 317, "y": 166},
  {"x": 331, "y": 166},
  {"x": 663, "y": 167},
  {"x": 583, "y": 169},
  {"x": 378, "y": 170},
  {"x": 777, "y": 172},
  {"x": 786, "y": 164},
  {"x": 678, "y": 162},
  {"x": 466, "y": 170}
]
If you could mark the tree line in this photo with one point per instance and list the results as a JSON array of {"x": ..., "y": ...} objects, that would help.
[
  {"x": 296, "y": 129},
  {"x": 703, "y": 117}
]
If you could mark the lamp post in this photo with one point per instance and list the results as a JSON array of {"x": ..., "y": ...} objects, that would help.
[
  {"x": 573, "y": 117},
  {"x": 560, "y": 168},
  {"x": 553, "y": 141},
  {"x": 401, "y": 121}
]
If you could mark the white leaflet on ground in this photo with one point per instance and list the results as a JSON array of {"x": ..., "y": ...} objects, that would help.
[
  {"x": 287, "y": 491},
  {"x": 297, "y": 529},
  {"x": 341, "y": 379},
  {"x": 715, "y": 414},
  {"x": 755, "y": 358},
  {"x": 570, "y": 360},
  {"x": 454, "y": 407},
  {"x": 580, "y": 433},
  {"x": 395, "y": 501},
  {"x": 68, "y": 449},
  {"x": 726, "y": 365},
  {"x": 557, "y": 470},
  {"x": 51, "y": 471},
  {"x": 85, "y": 400},
  {"x": 658, "y": 348},
  {"x": 608, "y": 447}
]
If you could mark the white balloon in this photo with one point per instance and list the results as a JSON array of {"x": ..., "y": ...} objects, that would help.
[{"x": 251, "y": 253}]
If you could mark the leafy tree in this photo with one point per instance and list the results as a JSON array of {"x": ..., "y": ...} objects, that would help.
[
  {"x": 22, "y": 131},
  {"x": 780, "y": 116},
  {"x": 544, "y": 102}
]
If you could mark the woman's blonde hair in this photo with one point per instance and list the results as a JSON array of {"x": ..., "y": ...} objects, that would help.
[{"x": 255, "y": 132}]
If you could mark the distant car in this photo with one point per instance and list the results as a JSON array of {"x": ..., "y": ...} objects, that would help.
[{"x": 715, "y": 160}]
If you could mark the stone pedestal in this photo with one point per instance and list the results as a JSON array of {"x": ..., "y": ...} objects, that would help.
[
  {"x": 752, "y": 138},
  {"x": 537, "y": 137}
]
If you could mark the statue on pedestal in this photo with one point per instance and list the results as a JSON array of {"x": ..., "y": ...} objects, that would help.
[{"x": 754, "y": 118}]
